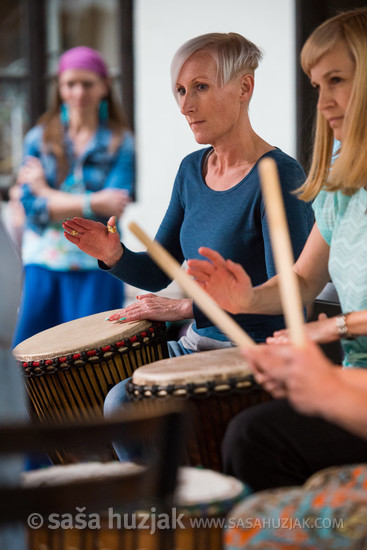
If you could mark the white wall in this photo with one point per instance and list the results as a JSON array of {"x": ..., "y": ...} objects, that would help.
[{"x": 163, "y": 136}]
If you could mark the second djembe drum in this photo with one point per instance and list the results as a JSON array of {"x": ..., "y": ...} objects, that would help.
[{"x": 216, "y": 385}]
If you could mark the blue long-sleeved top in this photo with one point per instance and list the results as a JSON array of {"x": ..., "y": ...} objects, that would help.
[
  {"x": 95, "y": 169},
  {"x": 233, "y": 222}
]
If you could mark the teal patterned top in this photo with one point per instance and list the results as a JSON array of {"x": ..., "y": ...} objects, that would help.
[{"x": 342, "y": 222}]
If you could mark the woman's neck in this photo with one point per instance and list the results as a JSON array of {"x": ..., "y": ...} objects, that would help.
[
  {"x": 243, "y": 147},
  {"x": 82, "y": 121},
  {"x": 230, "y": 162},
  {"x": 81, "y": 129}
]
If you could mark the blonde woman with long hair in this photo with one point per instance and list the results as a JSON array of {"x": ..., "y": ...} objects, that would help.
[
  {"x": 335, "y": 59},
  {"x": 314, "y": 433},
  {"x": 319, "y": 416}
]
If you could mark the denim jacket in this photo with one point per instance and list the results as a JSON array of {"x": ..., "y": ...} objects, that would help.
[{"x": 96, "y": 169}]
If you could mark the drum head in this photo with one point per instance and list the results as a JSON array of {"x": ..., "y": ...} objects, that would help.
[
  {"x": 70, "y": 473},
  {"x": 77, "y": 336},
  {"x": 202, "y": 489},
  {"x": 195, "y": 368}
]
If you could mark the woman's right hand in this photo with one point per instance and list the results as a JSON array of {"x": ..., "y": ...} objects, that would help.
[
  {"x": 95, "y": 239},
  {"x": 155, "y": 308},
  {"x": 109, "y": 202},
  {"x": 32, "y": 174},
  {"x": 303, "y": 375},
  {"x": 225, "y": 281}
]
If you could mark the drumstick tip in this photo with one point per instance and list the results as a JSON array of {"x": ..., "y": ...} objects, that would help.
[
  {"x": 133, "y": 226},
  {"x": 267, "y": 161}
]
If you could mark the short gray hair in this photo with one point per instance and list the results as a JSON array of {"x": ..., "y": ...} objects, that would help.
[{"x": 232, "y": 52}]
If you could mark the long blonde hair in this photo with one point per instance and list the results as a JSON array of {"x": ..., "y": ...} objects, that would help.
[
  {"x": 53, "y": 131},
  {"x": 349, "y": 171}
]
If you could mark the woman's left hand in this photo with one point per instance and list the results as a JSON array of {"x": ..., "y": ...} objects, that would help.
[
  {"x": 155, "y": 308},
  {"x": 32, "y": 173},
  {"x": 322, "y": 331}
]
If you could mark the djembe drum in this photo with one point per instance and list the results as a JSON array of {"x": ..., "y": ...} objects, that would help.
[
  {"x": 216, "y": 386},
  {"x": 202, "y": 501},
  {"x": 70, "y": 368}
]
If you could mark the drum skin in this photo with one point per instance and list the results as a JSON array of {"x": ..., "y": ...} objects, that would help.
[{"x": 215, "y": 385}]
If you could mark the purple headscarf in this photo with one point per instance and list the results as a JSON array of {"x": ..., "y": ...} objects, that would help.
[{"x": 83, "y": 57}]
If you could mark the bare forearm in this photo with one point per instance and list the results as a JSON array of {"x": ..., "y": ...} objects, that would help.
[
  {"x": 356, "y": 323},
  {"x": 103, "y": 203},
  {"x": 64, "y": 205},
  {"x": 186, "y": 308},
  {"x": 312, "y": 274},
  {"x": 267, "y": 300},
  {"x": 330, "y": 329}
]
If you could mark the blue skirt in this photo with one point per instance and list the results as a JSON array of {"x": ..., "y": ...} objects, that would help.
[{"x": 53, "y": 297}]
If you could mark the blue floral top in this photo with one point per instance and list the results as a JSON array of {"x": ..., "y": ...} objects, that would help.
[{"x": 97, "y": 168}]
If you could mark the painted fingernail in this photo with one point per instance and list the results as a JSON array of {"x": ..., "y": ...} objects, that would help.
[{"x": 122, "y": 319}]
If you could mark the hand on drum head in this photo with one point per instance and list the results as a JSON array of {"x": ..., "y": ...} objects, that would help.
[
  {"x": 95, "y": 239},
  {"x": 305, "y": 376},
  {"x": 225, "y": 281},
  {"x": 155, "y": 308},
  {"x": 322, "y": 331}
]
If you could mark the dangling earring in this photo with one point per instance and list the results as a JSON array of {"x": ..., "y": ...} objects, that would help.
[
  {"x": 64, "y": 114},
  {"x": 103, "y": 111}
]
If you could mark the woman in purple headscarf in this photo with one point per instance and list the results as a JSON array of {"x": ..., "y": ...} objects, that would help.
[{"x": 78, "y": 161}]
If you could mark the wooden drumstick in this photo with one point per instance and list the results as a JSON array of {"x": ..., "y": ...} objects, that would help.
[
  {"x": 282, "y": 250},
  {"x": 211, "y": 309}
]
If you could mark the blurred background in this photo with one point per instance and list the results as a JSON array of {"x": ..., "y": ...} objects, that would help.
[{"x": 138, "y": 39}]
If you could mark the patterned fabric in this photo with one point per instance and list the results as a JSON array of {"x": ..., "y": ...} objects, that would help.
[
  {"x": 342, "y": 222},
  {"x": 97, "y": 168},
  {"x": 328, "y": 512}
]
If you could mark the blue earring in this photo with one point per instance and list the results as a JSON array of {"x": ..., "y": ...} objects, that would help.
[
  {"x": 64, "y": 114},
  {"x": 103, "y": 111}
]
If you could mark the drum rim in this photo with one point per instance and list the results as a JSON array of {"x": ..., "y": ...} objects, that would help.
[
  {"x": 79, "y": 334},
  {"x": 78, "y": 358},
  {"x": 209, "y": 505},
  {"x": 193, "y": 390}
]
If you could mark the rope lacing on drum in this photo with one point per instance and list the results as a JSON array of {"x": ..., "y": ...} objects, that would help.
[
  {"x": 49, "y": 366},
  {"x": 192, "y": 390}
]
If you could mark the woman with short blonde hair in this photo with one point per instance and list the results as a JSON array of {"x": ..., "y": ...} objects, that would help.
[{"x": 216, "y": 196}]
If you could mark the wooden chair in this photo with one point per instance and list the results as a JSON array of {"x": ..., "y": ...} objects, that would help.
[{"x": 154, "y": 483}]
